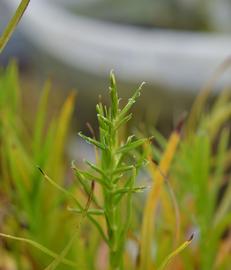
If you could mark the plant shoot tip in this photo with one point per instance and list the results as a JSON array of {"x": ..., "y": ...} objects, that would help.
[
  {"x": 42, "y": 172},
  {"x": 191, "y": 237},
  {"x": 155, "y": 162}
]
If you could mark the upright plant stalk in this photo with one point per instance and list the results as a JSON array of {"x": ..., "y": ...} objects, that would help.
[
  {"x": 114, "y": 173},
  {"x": 13, "y": 23}
]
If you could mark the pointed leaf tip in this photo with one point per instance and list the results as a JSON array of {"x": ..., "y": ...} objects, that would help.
[
  {"x": 42, "y": 172},
  {"x": 191, "y": 237},
  {"x": 142, "y": 84},
  {"x": 112, "y": 78}
]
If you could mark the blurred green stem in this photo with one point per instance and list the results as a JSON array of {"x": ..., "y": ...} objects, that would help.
[{"x": 12, "y": 24}]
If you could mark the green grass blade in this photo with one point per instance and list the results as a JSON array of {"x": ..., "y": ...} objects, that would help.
[
  {"x": 40, "y": 119},
  {"x": 13, "y": 23},
  {"x": 175, "y": 253},
  {"x": 60, "y": 258},
  {"x": 40, "y": 247}
]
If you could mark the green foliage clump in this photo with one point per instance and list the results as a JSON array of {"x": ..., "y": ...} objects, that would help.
[
  {"x": 33, "y": 203},
  {"x": 200, "y": 180},
  {"x": 87, "y": 223}
]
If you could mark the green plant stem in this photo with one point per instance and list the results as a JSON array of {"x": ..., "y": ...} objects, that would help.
[
  {"x": 114, "y": 173},
  {"x": 112, "y": 208},
  {"x": 13, "y": 23}
]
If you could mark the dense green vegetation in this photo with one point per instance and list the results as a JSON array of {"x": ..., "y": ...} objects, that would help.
[{"x": 85, "y": 220}]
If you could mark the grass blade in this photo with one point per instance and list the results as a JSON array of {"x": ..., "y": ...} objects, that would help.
[
  {"x": 40, "y": 247},
  {"x": 176, "y": 252},
  {"x": 13, "y": 23}
]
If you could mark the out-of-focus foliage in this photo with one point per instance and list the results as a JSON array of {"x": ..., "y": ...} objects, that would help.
[
  {"x": 190, "y": 192},
  {"x": 194, "y": 195},
  {"x": 31, "y": 207}
]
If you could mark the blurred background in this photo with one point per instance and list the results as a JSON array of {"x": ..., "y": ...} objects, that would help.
[{"x": 173, "y": 45}]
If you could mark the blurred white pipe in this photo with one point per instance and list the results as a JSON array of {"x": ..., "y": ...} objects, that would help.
[{"x": 171, "y": 58}]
